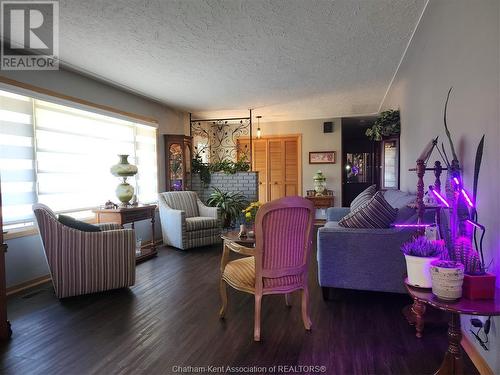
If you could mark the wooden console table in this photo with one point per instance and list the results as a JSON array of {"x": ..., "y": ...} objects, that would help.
[
  {"x": 129, "y": 215},
  {"x": 453, "y": 362}
]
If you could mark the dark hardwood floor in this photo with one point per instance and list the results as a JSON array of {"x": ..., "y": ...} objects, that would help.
[{"x": 170, "y": 318}]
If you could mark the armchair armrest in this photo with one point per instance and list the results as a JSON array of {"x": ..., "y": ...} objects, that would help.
[
  {"x": 207, "y": 211},
  {"x": 173, "y": 224},
  {"x": 336, "y": 213}
]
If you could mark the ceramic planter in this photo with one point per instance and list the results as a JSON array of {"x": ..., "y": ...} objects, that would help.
[
  {"x": 479, "y": 286},
  {"x": 447, "y": 279},
  {"x": 419, "y": 273}
]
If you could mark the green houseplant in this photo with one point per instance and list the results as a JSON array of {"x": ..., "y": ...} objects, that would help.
[
  {"x": 231, "y": 204},
  {"x": 387, "y": 124}
]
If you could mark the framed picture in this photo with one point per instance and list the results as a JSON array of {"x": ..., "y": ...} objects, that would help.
[{"x": 322, "y": 157}]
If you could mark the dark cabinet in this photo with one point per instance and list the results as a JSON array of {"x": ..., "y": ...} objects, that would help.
[{"x": 178, "y": 158}]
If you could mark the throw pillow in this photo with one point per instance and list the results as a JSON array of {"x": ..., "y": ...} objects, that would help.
[
  {"x": 77, "y": 224},
  {"x": 376, "y": 213},
  {"x": 363, "y": 197}
]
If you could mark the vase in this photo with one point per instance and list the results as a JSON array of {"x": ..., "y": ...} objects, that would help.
[
  {"x": 243, "y": 231},
  {"x": 123, "y": 168},
  {"x": 419, "y": 271},
  {"x": 447, "y": 279}
]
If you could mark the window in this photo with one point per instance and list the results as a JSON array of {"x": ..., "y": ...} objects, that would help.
[{"x": 60, "y": 156}]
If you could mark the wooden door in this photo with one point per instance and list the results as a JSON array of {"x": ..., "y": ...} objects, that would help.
[
  {"x": 259, "y": 164},
  {"x": 291, "y": 167},
  {"x": 276, "y": 168}
]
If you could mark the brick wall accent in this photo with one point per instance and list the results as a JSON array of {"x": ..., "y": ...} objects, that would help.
[{"x": 244, "y": 182}]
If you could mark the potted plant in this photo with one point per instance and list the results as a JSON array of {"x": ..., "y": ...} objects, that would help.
[
  {"x": 419, "y": 253},
  {"x": 387, "y": 124},
  {"x": 231, "y": 203},
  {"x": 478, "y": 284},
  {"x": 447, "y": 279}
]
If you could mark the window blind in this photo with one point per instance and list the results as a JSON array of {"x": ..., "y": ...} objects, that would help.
[
  {"x": 75, "y": 150},
  {"x": 61, "y": 156},
  {"x": 17, "y": 167}
]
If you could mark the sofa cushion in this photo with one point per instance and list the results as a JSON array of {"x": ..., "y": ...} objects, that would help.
[
  {"x": 376, "y": 213},
  {"x": 363, "y": 197},
  {"x": 77, "y": 224},
  {"x": 199, "y": 223}
]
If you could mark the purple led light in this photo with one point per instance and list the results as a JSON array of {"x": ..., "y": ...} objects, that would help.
[
  {"x": 477, "y": 225},
  {"x": 467, "y": 198},
  {"x": 413, "y": 225},
  {"x": 457, "y": 182},
  {"x": 439, "y": 196}
]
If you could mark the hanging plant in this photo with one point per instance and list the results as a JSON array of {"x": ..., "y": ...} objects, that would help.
[{"x": 387, "y": 124}]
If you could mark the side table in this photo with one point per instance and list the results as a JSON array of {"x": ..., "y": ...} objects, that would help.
[
  {"x": 321, "y": 202},
  {"x": 453, "y": 362},
  {"x": 129, "y": 215}
]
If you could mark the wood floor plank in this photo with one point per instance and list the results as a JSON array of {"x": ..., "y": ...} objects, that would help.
[{"x": 170, "y": 318}]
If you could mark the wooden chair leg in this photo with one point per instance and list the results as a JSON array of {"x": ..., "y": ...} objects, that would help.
[
  {"x": 223, "y": 296},
  {"x": 287, "y": 300},
  {"x": 256, "y": 324},
  {"x": 305, "y": 310}
]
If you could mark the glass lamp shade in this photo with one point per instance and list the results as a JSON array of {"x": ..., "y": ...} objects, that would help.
[{"x": 123, "y": 168}]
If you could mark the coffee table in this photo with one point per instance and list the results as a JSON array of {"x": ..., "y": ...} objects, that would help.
[{"x": 453, "y": 362}]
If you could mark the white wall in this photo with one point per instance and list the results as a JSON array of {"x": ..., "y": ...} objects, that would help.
[
  {"x": 25, "y": 259},
  {"x": 313, "y": 139},
  {"x": 456, "y": 44}
]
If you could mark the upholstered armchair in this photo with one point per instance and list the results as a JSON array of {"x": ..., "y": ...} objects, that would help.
[
  {"x": 186, "y": 222},
  {"x": 86, "y": 262},
  {"x": 283, "y": 234}
]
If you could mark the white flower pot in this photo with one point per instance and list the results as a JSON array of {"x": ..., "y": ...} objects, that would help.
[
  {"x": 447, "y": 281},
  {"x": 418, "y": 269}
]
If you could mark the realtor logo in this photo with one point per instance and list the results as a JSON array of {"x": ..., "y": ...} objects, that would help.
[{"x": 30, "y": 35}]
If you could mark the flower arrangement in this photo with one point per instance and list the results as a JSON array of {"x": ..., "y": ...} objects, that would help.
[
  {"x": 251, "y": 211},
  {"x": 424, "y": 248}
]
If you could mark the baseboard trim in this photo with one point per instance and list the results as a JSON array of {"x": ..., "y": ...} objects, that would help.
[
  {"x": 28, "y": 284},
  {"x": 476, "y": 357}
]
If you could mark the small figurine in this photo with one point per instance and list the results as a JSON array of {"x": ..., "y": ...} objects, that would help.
[{"x": 110, "y": 205}]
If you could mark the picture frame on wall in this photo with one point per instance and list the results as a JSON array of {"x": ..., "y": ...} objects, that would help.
[{"x": 322, "y": 157}]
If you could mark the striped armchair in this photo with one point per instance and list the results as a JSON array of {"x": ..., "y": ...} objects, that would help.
[
  {"x": 186, "y": 222},
  {"x": 86, "y": 262}
]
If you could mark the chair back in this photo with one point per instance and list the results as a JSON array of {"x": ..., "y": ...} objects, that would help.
[
  {"x": 283, "y": 232},
  {"x": 186, "y": 201}
]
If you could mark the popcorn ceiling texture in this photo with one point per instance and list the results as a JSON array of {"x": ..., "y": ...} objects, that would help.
[{"x": 289, "y": 59}]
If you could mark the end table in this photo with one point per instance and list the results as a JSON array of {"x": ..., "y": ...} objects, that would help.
[
  {"x": 129, "y": 215},
  {"x": 453, "y": 362}
]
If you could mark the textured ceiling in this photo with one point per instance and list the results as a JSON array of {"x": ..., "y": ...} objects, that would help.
[{"x": 285, "y": 58}]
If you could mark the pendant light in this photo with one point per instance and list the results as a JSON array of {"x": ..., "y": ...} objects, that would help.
[{"x": 259, "y": 132}]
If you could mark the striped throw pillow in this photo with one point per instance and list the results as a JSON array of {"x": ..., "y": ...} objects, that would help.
[
  {"x": 376, "y": 213},
  {"x": 363, "y": 197}
]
